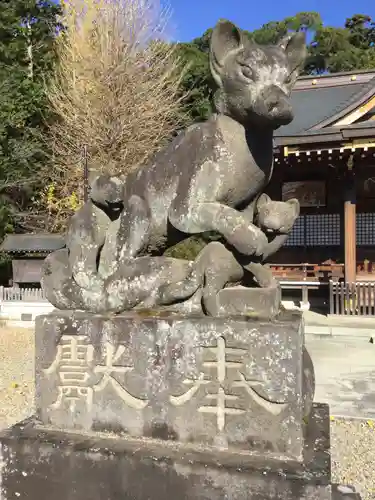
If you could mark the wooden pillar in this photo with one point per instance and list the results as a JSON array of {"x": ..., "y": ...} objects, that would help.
[{"x": 350, "y": 228}]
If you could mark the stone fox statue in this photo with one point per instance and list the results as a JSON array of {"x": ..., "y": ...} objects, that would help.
[{"x": 209, "y": 177}]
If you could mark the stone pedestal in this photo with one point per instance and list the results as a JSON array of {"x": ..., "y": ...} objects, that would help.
[
  {"x": 146, "y": 408},
  {"x": 40, "y": 463},
  {"x": 230, "y": 383}
]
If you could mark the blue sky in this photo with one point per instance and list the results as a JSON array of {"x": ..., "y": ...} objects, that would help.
[{"x": 192, "y": 17}]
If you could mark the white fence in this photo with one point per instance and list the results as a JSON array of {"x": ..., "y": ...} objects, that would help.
[
  {"x": 23, "y": 304},
  {"x": 21, "y": 294}
]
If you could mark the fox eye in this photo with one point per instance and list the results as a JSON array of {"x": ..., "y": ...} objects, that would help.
[{"x": 247, "y": 72}]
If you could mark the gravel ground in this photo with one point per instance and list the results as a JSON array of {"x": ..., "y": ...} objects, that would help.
[
  {"x": 353, "y": 441},
  {"x": 16, "y": 374},
  {"x": 353, "y": 455}
]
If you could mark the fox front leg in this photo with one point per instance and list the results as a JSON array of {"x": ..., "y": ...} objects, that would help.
[
  {"x": 125, "y": 237},
  {"x": 234, "y": 226},
  {"x": 220, "y": 268},
  {"x": 274, "y": 245},
  {"x": 84, "y": 239},
  {"x": 262, "y": 274}
]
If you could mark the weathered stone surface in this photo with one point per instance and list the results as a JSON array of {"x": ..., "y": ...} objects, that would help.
[
  {"x": 40, "y": 463},
  {"x": 233, "y": 383},
  {"x": 262, "y": 302},
  {"x": 343, "y": 492},
  {"x": 209, "y": 179}
]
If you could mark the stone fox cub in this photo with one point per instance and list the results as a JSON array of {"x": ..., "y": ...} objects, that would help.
[{"x": 209, "y": 177}]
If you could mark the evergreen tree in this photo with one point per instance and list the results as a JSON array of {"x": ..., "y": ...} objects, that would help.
[
  {"x": 27, "y": 32},
  {"x": 343, "y": 49}
]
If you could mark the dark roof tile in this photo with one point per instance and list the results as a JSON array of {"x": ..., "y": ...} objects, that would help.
[
  {"x": 32, "y": 243},
  {"x": 316, "y": 105}
]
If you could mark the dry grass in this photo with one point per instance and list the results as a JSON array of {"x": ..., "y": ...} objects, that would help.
[{"x": 116, "y": 91}]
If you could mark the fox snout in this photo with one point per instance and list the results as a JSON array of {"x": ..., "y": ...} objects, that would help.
[{"x": 276, "y": 105}]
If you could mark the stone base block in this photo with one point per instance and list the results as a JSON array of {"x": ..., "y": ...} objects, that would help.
[
  {"x": 234, "y": 383},
  {"x": 258, "y": 302},
  {"x": 39, "y": 463}
]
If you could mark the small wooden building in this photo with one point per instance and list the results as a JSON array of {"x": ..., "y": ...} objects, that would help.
[
  {"x": 27, "y": 252},
  {"x": 326, "y": 159}
]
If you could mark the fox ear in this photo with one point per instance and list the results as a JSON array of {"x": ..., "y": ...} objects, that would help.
[
  {"x": 225, "y": 38},
  {"x": 295, "y": 48},
  {"x": 263, "y": 200},
  {"x": 295, "y": 203}
]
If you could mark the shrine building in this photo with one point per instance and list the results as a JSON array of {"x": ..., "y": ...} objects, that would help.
[{"x": 326, "y": 159}]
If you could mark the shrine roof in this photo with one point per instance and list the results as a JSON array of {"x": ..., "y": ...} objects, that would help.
[
  {"x": 319, "y": 102},
  {"x": 29, "y": 243}
]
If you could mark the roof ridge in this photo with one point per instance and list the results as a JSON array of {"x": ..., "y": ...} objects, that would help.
[
  {"x": 321, "y": 106},
  {"x": 334, "y": 80}
]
